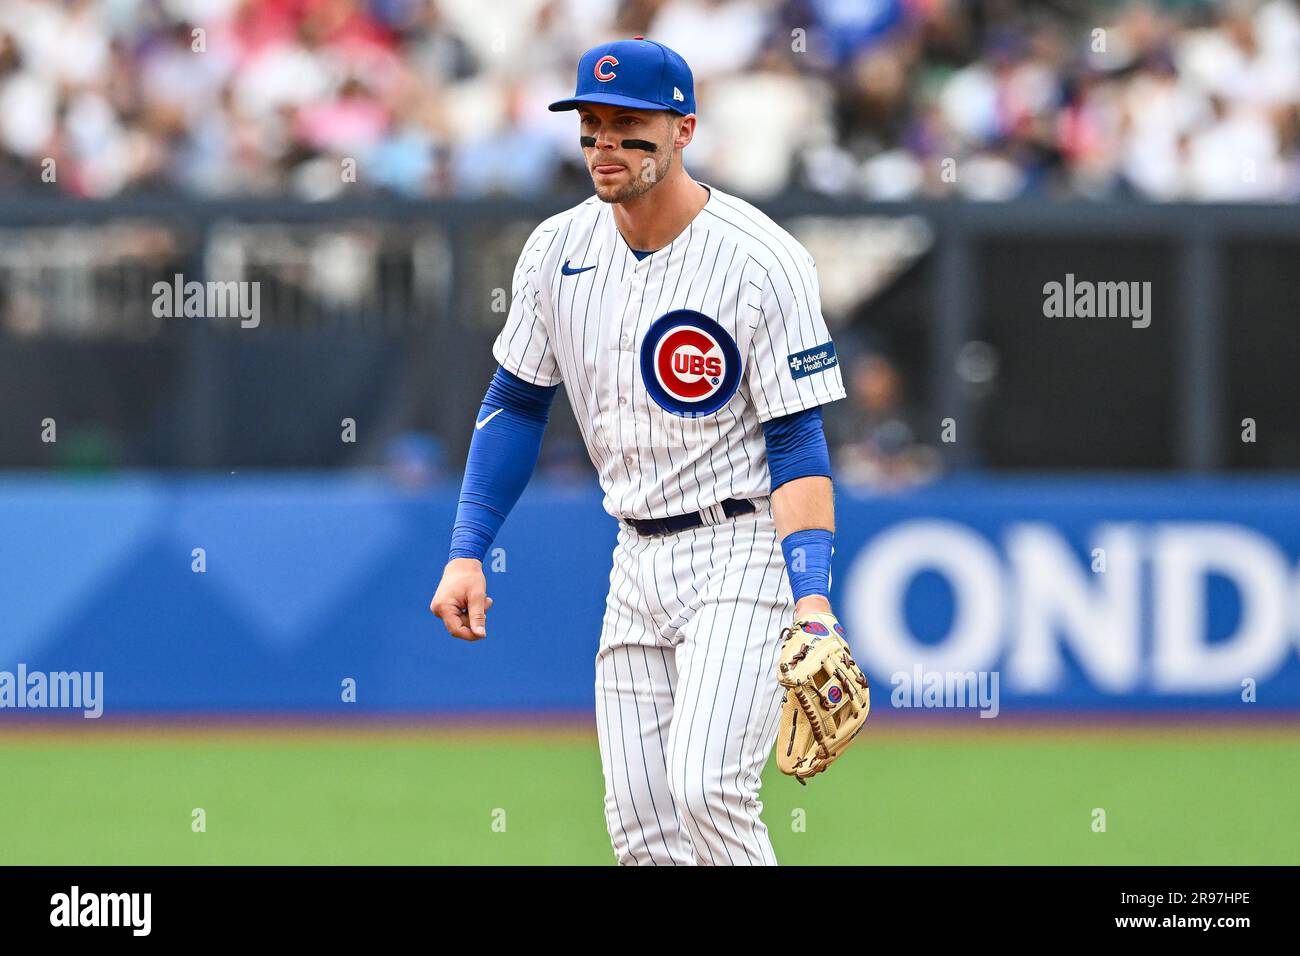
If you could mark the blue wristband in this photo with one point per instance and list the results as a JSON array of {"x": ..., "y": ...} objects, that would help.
[{"x": 808, "y": 561}]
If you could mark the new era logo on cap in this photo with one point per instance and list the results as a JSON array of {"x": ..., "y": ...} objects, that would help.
[{"x": 639, "y": 73}]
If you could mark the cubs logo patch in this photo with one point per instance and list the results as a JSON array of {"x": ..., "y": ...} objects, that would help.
[
  {"x": 813, "y": 627},
  {"x": 834, "y": 694},
  {"x": 689, "y": 363},
  {"x": 602, "y": 71}
]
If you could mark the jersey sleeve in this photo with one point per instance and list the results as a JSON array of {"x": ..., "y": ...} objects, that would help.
[
  {"x": 523, "y": 347},
  {"x": 792, "y": 365}
]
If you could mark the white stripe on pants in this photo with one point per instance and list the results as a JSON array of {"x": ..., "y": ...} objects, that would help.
[{"x": 686, "y": 692}]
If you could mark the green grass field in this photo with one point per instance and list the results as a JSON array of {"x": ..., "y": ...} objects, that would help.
[{"x": 415, "y": 798}]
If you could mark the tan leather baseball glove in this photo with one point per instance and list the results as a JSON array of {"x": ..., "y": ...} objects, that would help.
[{"x": 827, "y": 697}]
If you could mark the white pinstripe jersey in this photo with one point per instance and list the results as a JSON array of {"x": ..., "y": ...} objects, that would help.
[{"x": 671, "y": 363}]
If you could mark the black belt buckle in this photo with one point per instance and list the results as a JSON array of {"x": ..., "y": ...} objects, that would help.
[{"x": 731, "y": 507}]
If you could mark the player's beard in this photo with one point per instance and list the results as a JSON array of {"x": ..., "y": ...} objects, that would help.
[{"x": 644, "y": 177}]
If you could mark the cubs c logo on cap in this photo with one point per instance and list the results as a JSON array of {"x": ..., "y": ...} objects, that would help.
[
  {"x": 689, "y": 363},
  {"x": 603, "y": 74}
]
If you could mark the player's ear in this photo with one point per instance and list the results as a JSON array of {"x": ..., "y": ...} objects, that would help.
[{"x": 684, "y": 130}]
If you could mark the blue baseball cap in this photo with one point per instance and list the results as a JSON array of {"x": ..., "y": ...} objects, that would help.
[{"x": 638, "y": 73}]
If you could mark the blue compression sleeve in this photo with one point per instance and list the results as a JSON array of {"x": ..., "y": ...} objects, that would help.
[
  {"x": 502, "y": 455},
  {"x": 796, "y": 448}
]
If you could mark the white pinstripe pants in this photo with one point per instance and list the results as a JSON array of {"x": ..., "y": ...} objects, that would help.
[{"x": 686, "y": 692}]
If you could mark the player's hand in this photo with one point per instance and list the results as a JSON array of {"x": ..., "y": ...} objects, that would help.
[
  {"x": 461, "y": 600},
  {"x": 810, "y": 604}
]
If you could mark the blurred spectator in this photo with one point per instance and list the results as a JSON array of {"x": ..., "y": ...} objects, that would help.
[
  {"x": 878, "y": 446},
  {"x": 887, "y": 99}
]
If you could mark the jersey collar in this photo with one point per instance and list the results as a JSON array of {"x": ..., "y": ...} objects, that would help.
[{"x": 621, "y": 243}]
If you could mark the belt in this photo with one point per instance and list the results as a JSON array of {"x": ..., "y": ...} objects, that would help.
[{"x": 732, "y": 507}]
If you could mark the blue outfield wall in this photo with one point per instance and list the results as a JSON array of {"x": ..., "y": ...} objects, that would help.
[{"x": 1088, "y": 593}]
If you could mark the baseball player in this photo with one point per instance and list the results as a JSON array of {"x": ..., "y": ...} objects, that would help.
[{"x": 687, "y": 330}]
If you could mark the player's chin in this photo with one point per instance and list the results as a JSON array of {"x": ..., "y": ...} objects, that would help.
[
  {"x": 618, "y": 192},
  {"x": 610, "y": 186}
]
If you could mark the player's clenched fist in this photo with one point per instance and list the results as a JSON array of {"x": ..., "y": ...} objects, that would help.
[{"x": 461, "y": 600}]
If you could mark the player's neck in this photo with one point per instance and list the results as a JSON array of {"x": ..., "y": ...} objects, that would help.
[{"x": 651, "y": 221}]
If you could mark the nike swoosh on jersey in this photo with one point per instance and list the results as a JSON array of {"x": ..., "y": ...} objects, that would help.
[
  {"x": 478, "y": 425},
  {"x": 566, "y": 270}
]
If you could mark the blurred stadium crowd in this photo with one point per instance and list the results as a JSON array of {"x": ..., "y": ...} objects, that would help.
[{"x": 1161, "y": 101}]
